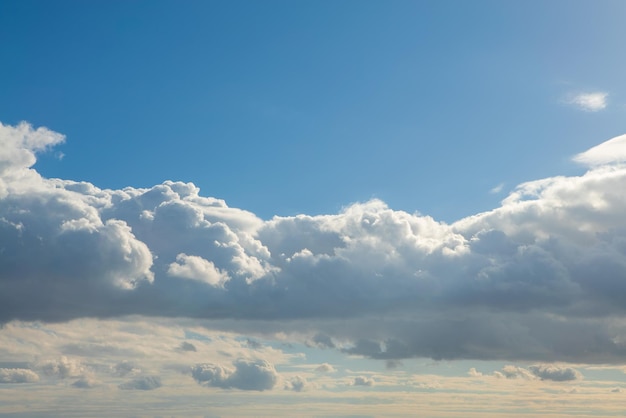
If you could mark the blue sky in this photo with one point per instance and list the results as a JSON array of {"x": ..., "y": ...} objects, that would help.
[
  {"x": 347, "y": 208},
  {"x": 257, "y": 103}
]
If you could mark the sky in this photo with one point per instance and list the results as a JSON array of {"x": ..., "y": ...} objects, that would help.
[{"x": 348, "y": 208}]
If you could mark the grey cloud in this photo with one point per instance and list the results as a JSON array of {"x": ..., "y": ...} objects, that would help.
[
  {"x": 18, "y": 376},
  {"x": 85, "y": 383},
  {"x": 555, "y": 373},
  {"x": 247, "y": 375},
  {"x": 541, "y": 371},
  {"x": 297, "y": 384},
  {"x": 125, "y": 368},
  {"x": 187, "y": 346},
  {"x": 538, "y": 278},
  {"x": 63, "y": 368},
  {"x": 142, "y": 383},
  {"x": 363, "y": 381}
]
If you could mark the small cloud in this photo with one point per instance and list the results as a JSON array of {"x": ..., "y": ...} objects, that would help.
[
  {"x": 590, "y": 102},
  {"x": 247, "y": 375},
  {"x": 297, "y": 384},
  {"x": 474, "y": 373},
  {"x": 555, "y": 373},
  {"x": 18, "y": 376},
  {"x": 85, "y": 383},
  {"x": 497, "y": 189},
  {"x": 325, "y": 368},
  {"x": 363, "y": 381},
  {"x": 142, "y": 383}
]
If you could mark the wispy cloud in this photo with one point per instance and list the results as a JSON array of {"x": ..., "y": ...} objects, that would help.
[
  {"x": 497, "y": 189},
  {"x": 611, "y": 151},
  {"x": 590, "y": 102}
]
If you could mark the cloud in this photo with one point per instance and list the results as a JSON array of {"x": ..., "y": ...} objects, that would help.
[
  {"x": 608, "y": 152},
  {"x": 591, "y": 102},
  {"x": 363, "y": 381},
  {"x": 497, "y": 189},
  {"x": 538, "y": 278},
  {"x": 257, "y": 375},
  {"x": 197, "y": 268},
  {"x": 85, "y": 383},
  {"x": 325, "y": 368},
  {"x": 63, "y": 368},
  {"x": 18, "y": 376},
  {"x": 540, "y": 371},
  {"x": 297, "y": 384},
  {"x": 142, "y": 383},
  {"x": 555, "y": 373}
]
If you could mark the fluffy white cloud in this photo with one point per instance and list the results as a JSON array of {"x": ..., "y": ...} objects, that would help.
[
  {"x": 539, "y": 278},
  {"x": 591, "y": 102},
  {"x": 197, "y": 268}
]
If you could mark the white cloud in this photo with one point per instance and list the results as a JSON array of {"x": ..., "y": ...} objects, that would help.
[
  {"x": 325, "y": 368},
  {"x": 497, "y": 189},
  {"x": 197, "y": 268},
  {"x": 591, "y": 102},
  {"x": 538, "y": 278},
  {"x": 608, "y": 152}
]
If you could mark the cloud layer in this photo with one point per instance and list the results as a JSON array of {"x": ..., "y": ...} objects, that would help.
[{"x": 538, "y": 278}]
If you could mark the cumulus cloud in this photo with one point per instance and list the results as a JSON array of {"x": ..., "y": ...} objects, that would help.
[
  {"x": 142, "y": 383},
  {"x": 18, "y": 376},
  {"x": 555, "y": 373},
  {"x": 246, "y": 375},
  {"x": 538, "y": 278},
  {"x": 591, "y": 102},
  {"x": 540, "y": 371},
  {"x": 63, "y": 368},
  {"x": 363, "y": 381},
  {"x": 297, "y": 384},
  {"x": 325, "y": 368}
]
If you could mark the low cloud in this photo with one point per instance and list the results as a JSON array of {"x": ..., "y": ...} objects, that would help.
[
  {"x": 363, "y": 381},
  {"x": 555, "y": 373},
  {"x": 590, "y": 102},
  {"x": 537, "y": 278},
  {"x": 297, "y": 384},
  {"x": 325, "y": 368},
  {"x": 18, "y": 376},
  {"x": 541, "y": 371},
  {"x": 609, "y": 152},
  {"x": 142, "y": 383},
  {"x": 257, "y": 375}
]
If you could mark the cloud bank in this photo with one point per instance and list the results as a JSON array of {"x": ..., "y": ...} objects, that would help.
[{"x": 539, "y": 278}]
